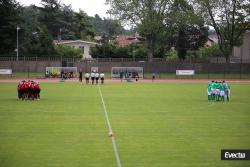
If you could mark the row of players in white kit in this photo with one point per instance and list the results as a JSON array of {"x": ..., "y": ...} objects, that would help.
[{"x": 95, "y": 76}]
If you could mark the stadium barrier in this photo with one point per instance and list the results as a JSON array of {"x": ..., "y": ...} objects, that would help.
[
  {"x": 236, "y": 69},
  {"x": 74, "y": 59}
]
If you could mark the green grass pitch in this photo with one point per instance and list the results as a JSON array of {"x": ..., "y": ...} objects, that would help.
[{"x": 154, "y": 124}]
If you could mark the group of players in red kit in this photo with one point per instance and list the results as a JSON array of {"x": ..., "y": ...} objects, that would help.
[{"x": 28, "y": 90}]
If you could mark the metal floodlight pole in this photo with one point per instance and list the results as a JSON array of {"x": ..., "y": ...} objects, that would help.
[{"x": 17, "y": 29}]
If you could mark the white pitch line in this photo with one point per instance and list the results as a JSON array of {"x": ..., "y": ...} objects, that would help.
[{"x": 110, "y": 130}]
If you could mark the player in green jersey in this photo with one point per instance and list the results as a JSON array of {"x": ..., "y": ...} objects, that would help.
[
  {"x": 227, "y": 90},
  {"x": 222, "y": 92},
  {"x": 217, "y": 90},
  {"x": 209, "y": 91},
  {"x": 213, "y": 89}
]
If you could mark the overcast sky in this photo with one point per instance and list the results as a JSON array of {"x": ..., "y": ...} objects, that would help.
[{"x": 91, "y": 7}]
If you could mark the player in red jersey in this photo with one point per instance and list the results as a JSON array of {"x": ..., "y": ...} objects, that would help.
[
  {"x": 19, "y": 90},
  {"x": 37, "y": 91}
]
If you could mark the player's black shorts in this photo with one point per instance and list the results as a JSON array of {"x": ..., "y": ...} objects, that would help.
[
  {"x": 36, "y": 91},
  {"x": 19, "y": 94},
  {"x": 92, "y": 78},
  {"x": 26, "y": 90}
]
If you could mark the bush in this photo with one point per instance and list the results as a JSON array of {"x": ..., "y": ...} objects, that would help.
[
  {"x": 115, "y": 51},
  {"x": 121, "y": 52},
  {"x": 212, "y": 51},
  {"x": 102, "y": 51},
  {"x": 67, "y": 51},
  {"x": 137, "y": 51},
  {"x": 171, "y": 55}
]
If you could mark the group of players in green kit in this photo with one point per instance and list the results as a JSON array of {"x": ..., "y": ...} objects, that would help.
[{"x": 218, "y": 91}]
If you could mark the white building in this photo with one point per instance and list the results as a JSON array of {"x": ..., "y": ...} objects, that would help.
[
  {"x": 243, "y": 52},
  {"x": 83, "y": 45}
]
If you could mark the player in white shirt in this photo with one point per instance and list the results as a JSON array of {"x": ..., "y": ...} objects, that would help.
[
  {"x": 97, "y": 77},
  {"x": 102, "y": 78},
  {"x": 87, "y": 78},
  {"x": 92, "y": 75}
]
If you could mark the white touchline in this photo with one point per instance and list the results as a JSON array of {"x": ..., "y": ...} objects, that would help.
[{"x": 110, "y": 130}]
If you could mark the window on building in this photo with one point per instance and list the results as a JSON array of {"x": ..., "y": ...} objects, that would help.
[{"x": 82, "y": 48}]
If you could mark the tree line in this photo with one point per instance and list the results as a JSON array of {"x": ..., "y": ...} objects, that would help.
[
  {"x": 171, "y": 28},
  {"x": 39, "y": 26},
  {"x": 181, "y": 23}
]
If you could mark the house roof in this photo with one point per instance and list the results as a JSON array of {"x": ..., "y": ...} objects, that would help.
[
  {"x": 213, "y": 38},
  {"x": 124, "y": 40},
  {"x": 98, "y": 38},
  {"x": 73, "y": 41}
]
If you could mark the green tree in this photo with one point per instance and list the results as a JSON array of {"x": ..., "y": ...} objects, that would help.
[
  {"x": 50, "y": 16},
  {"x": 113, "y": 27},
  {"x": 84, "y": 27},
  {"x": 35, "y": 39},
  {"x": 9, "y": 14},
  {"x": 68, "y": 29},
  {"x": 230, "y": 19},
  {"x": 63, "y": 23},
  {"x": 108, "y": 26},
  {"x": 98, "y": 24},
  {"x": 189, "y": 38},
  {"x": 188, "y": 31},
  {"x": 147, "y": 15}
]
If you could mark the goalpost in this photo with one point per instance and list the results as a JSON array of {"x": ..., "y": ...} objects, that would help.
[
  {"x": 127, "y": 72},
  {"x": 58, "y": 72}
]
